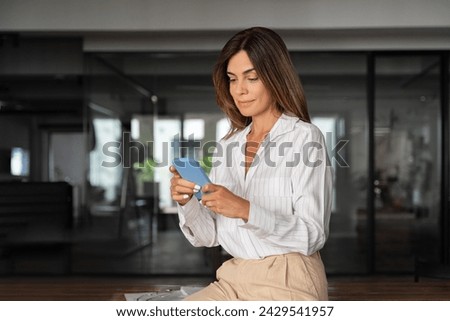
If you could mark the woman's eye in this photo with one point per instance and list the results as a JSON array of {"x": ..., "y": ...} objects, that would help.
[
  {"x": 253, "y": 79},
  {"x": 231, "y": 80}
]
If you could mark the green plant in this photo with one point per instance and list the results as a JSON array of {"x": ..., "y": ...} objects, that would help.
[
  {"x": 145, "y": 171},
  {"x": 206, "y": 164}
]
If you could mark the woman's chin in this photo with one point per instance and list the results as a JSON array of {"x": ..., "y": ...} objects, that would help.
[{"x": 245, "y": 112}]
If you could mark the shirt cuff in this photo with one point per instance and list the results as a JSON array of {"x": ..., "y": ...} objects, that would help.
[
  {"x": 260, "y": 221},
  {"x": 189, "y": 211}
]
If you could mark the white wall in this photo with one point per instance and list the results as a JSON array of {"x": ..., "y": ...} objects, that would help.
[
  {"x": 135, "y": 25},
  {"x": 176, "y": 15}
]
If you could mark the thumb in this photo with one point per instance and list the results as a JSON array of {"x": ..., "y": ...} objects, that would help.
[{"x": 209, "y": 188}]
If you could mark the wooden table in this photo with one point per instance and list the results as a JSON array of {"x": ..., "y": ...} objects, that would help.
[
  {"x": 83, "y": 288},
  {"x": 389, "y": 288}
]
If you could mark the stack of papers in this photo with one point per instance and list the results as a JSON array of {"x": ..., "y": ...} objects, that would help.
[{"x": 167, "y": 294}]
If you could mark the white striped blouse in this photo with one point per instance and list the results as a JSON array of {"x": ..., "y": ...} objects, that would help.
[{"x": 289, "y": 187}]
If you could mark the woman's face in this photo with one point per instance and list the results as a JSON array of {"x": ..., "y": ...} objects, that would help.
[{"x": 249, "y": 93}]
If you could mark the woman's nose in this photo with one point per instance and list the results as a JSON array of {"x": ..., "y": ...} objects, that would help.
[{"x": 241, "y": 88}]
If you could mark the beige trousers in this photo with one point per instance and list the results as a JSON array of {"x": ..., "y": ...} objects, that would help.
[{"x": 284, "y": 277}]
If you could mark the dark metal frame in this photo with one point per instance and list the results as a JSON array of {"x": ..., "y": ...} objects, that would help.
[
  {"x": 371, "y": 259},
  {"x": 445, "y": 188}
]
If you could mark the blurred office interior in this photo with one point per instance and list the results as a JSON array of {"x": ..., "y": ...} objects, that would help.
[{"x": 96, "y": 99}]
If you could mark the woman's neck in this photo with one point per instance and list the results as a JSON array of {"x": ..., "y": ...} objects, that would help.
[{"x": 261, "y": 125}]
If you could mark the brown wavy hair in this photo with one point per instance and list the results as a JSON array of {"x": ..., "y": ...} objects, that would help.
[{"x": 272, "y": 62}]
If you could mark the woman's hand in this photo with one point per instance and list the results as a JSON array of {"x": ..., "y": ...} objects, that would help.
[
  {"x": 181, "y": 189},
  {"x": 219, "y": 199}
]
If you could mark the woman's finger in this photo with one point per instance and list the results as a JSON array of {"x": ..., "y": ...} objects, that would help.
[
  {"x": 181, "y": 197},
  {"x": 173, "y": 170},
  {"x": 183, "y": 190},
  {"x": 184, "y": 183},
  {"x": 209, "y": 188}
]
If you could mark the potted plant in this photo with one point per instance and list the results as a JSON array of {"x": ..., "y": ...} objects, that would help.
[
  {"x": 145, "y": 177},
  {"x": 206, "y": 164}
]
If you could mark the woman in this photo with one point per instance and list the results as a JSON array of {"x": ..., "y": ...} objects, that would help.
[{"x": 269, "y": 204}]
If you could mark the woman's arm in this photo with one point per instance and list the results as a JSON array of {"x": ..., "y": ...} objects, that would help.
[{"x": 196, "y": 222}]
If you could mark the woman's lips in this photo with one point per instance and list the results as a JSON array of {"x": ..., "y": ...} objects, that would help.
[{"x": 245, "y": 102}]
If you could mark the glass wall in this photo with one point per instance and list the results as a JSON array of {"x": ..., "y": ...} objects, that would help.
[
  {"x": 335, "y": 86},
  {"x": 185, "y": 117},
  {"x": 445, "y": 221},
  {"x": 407, "y": 161},
  {"x": 166, "y": 104},
  {"x": 142, "y": 110},
  {"x": 113, "y": 225},
  {"x": 111, "y": 123}
]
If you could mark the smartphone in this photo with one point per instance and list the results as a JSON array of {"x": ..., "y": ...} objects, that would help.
[{"x": 191, "y": 171}]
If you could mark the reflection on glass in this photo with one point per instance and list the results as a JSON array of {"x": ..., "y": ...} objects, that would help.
[
  {"x": 20, "y": 162},
  {"x": 167, "y": 133},
  {"x": 407, "y": 154},
  {"x": 222, "y": 128},
  {"x": 194, "y": 129},
  {"x": 187, "y": 119},
  {"x": 106, "y": 178},
  {"x": 335, "y": 87},
  {"x": 327, "y": 126},
  {"x": 162, "y": 141}
]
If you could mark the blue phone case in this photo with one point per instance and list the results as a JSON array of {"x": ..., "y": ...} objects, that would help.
[{"x": 191, "y": 171}]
